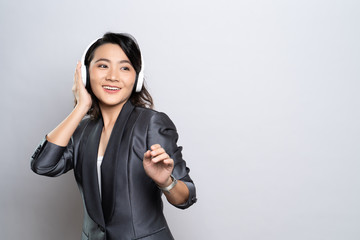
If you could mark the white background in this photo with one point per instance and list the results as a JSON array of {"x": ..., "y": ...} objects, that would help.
[{"x": 265, "y": 96}]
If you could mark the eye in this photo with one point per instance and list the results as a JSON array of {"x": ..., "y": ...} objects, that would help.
[
  {"x": 125, "y": 68},
  {"x": 102, "y": 66}
]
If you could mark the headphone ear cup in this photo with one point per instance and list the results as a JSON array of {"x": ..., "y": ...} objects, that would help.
[
  {"x": 84, "y": 70},
  {"x": 83, "y": 73},
  {"x": 87, "y": 79},
  {"x": 139, "y": 81}
]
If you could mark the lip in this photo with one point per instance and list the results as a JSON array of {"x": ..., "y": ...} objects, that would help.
[{"x": 114, "y": 90}]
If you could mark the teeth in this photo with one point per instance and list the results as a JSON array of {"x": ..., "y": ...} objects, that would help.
[{"x": 111, "y": 88}]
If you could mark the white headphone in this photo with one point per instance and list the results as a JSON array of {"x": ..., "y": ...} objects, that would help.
[{"x": 138, "y": 81}]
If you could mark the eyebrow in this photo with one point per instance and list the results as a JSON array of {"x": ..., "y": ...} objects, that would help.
[{"x": 107, "y": 60}]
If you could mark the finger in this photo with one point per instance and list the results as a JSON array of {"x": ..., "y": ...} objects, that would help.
[
  {"x": 77, "y": 63},
  {"x": 169, "y": 161},
  {"x": 160, "y": 158},
  {"x": 157, "y": 151},
  {"x": 147, "y": 155},
  {"x": 155, "y": 146},
  {"x": 78, "y": 74}
]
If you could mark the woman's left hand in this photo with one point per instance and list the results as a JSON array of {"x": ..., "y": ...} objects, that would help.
[{"x": 158, "y": 165}]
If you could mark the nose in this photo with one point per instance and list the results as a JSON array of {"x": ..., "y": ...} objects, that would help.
[{"x": 113, "y": 75}]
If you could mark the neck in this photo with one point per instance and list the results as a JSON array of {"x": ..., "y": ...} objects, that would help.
[{"x": 110, "y": 114}]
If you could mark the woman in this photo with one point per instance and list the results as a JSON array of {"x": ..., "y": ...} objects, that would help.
[{"x": 124, "y": 155}]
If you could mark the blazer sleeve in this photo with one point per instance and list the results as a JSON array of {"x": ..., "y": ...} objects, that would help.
[
  {"x": 53, "y": 160},
  {"x": 163, "y": 131}
]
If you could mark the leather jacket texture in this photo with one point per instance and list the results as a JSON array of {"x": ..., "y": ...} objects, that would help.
[{"x": 130, "y": 206}]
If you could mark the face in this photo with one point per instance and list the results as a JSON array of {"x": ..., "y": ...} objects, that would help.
[{"x": 112, "y": 76}]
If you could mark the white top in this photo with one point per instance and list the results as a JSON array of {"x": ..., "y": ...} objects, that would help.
[{"x": 99, "y": 161}]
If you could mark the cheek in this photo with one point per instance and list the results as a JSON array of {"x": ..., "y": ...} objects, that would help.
[
  {"x": 94, "y": 83},
  {"x": 95, "y": 77},
  {"x": 129, "y": 81}
]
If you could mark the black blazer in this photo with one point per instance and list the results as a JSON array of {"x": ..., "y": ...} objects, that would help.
[{"x": 131, "y": 205}]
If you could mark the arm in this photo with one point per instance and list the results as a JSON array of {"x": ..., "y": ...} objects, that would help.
[
  {"x": 55, "y": 153},
  {"x": 165, "y": 158},
  {"x": 63, "y": 132},
  {"x": 159, "y": 167}
]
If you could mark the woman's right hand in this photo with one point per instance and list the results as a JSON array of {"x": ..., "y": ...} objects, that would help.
[{"x": 83, "y": 98}]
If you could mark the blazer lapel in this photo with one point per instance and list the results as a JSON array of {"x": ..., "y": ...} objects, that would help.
[
  {"x": 112, "y": 158},
  {"x": 89, "y": 170}
]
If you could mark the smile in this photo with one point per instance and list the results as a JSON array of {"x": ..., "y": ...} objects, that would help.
[{"x": 111, "y": 88}]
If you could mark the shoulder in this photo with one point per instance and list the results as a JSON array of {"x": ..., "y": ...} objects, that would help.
[
  {"x": 85, "y": 122},
  {"x": 153, "y": 117},
  {"x": 145, "y": 111},
  {"x": 82, "y": 126}
]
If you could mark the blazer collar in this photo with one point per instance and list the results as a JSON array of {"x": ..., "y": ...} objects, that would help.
[
  {"x": 111, "y": 160},
  {"x": 101, "y": 210}
]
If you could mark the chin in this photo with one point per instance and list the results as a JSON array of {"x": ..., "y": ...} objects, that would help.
[{"x": 114, "y": 103}]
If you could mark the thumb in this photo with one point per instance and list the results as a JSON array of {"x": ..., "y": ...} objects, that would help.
[{"x": 147, "y": 156}]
